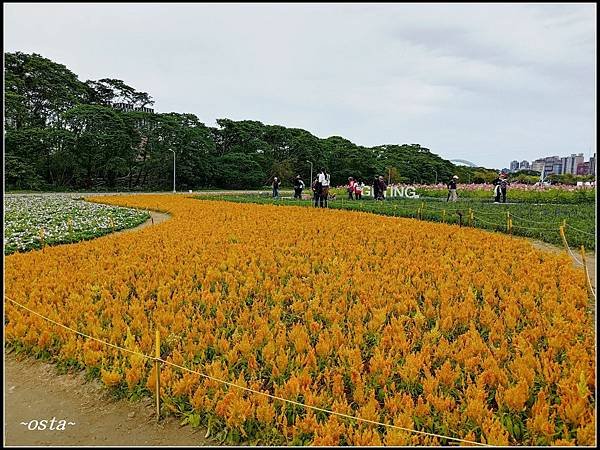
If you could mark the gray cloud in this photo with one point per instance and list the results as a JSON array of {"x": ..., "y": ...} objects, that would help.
[{"x": 483, "y": 82}]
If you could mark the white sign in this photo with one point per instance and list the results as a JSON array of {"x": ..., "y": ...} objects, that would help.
[{"x": 395, "y": 191}]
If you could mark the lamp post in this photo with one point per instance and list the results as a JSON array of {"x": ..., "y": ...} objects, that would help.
[
  {"x": 311, "y": 167},
  {"x": 435, "y": 176},
  {"x": 173, "y": 170}
]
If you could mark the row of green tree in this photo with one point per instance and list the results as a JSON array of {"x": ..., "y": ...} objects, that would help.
[{"x": 62, "y": 133}]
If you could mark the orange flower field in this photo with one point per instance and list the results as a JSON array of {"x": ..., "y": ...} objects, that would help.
[{"x": 448, "y": 330}]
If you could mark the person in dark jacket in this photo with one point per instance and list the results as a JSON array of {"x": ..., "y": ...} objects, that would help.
[
  {"x": 381, "y": 187},
  {"x": 316, "y": 188},
  {"x": 376, "y": 188},
  {"x": 452, "y": 196},
  {"x": 276, "y": 184},
  {"x": 298, "y": 187},
  {"x": 500, "y": 186},
  {"x": 504, "y": 186}
]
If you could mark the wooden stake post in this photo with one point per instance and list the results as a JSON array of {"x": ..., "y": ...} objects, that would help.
[
  {"x": 157, "y": 371},
  {"x": 564, "y": 239}
]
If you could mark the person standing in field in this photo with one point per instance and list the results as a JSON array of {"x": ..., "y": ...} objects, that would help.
[
  {"x": 452, "y": 196},
  {"x": 381, "y": 187},
  {"x": 376, "y": 187},
  {"x": 298, "y": 187},
  {"x": 503, "y": 186},
  {"x": 351, "y": 188},
  {"x": 276, "y": 184},
  {"x": 358, "y": 189},
  {"x": 316, "y": 188},
  {"x": 324, "y": 180},
  {"x": 500, "y": 187}
]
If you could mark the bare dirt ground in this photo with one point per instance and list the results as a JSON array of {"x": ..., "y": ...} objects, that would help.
[
  {"x": 155, "y": 219},
  {"x": 34, "y": 390}
]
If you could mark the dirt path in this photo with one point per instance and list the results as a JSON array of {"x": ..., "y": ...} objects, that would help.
[
  {"x": 34, "y": 390},
  {"x": 155, "y": 219}
]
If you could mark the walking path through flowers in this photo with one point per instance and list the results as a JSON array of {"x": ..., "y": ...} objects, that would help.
[{"x": 155, "y": 219}]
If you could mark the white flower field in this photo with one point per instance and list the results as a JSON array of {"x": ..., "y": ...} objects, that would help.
[{"x": 31, "y": 221}]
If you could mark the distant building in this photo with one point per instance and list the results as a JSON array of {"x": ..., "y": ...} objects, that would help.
[
  {"x": 128, "y": 107},
  {"x": 570, "y": 163},
  {"x": 567, "y": 164},
  {"x": 583, "y": 168},
  {"x": 578, "y": 160},
  {"x": 552, "y": 165},
  {"x": 538, "y": 165}
]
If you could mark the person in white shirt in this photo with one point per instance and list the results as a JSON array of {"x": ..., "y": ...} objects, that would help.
[
  {"x": 358, "y": 189},
  {"x": 323, "y": 179}
]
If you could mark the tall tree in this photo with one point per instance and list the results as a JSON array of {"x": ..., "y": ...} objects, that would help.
[
  {"x": 108, "y": 91},
  {"x": 39, "y": 90},
  {"x": 103, "y": 145}
]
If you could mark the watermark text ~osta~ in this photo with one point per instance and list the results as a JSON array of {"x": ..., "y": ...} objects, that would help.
[{"x": 47, "y": 424}]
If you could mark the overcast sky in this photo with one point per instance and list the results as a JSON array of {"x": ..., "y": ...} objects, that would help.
[{"x": 487, "y": 83}]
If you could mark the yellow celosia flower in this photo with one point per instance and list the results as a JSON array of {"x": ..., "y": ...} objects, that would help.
[{"x": 110, "y": 378}]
